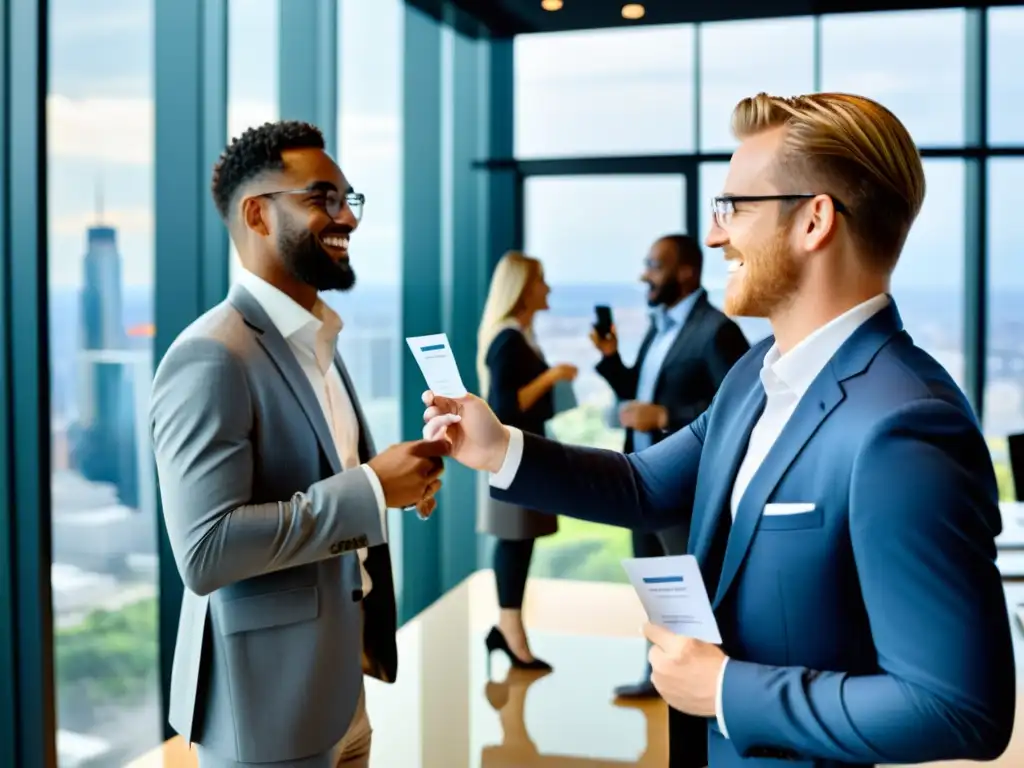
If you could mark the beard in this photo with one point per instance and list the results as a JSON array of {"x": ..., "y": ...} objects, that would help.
[
  {"x": 767, "y": 280},
  {"x": 307, "y": 260},
  {"x": 666, "y": 294}
]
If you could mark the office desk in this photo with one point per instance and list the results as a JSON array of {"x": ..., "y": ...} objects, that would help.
[{"x": 445, "y": 712}]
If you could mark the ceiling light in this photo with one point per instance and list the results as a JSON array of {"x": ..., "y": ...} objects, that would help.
[
  {"x": 551, "y": 5},
  {"x": 632, "y": 11}
]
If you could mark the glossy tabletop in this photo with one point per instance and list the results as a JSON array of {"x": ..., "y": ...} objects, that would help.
[{"x": 448, "y": 710}]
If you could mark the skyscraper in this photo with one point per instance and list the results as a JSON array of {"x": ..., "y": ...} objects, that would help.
[{"x": 103, "y": 439}]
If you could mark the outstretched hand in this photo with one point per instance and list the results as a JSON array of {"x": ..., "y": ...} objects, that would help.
[{"x": 476, "y": 437}]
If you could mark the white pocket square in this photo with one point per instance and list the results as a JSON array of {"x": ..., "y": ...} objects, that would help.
[{"x": 788, "y": 508}]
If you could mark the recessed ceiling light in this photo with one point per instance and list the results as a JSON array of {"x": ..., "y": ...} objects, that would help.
[
  {"x": 551, "y": 5},
  {"x": 632, "y": 11}
]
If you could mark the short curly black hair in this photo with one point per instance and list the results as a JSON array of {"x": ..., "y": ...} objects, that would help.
[{"x": 257, "y": 151}]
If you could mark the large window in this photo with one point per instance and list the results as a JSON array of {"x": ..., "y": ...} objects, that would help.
[
  {"x": 1004, "y": 371},
  {"x": 252, "y": 71},
  {"x": 928, "y": 283},
  {"x": 370, "y": 155},
  {"x": 912, "y": 62},
  {"x": 587, "y": 264},
  {"x": 741, "y": 58},
  {"x": 1006, "y": 86},
  {"x": 607, "y": 92},
  {"x": 104, "y": 573}
]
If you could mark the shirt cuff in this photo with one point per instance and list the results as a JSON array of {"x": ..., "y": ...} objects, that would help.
[
  {"x": 719, "y": 712},
  {"x": 378, "y": 492},
  {"x": 503, "y": 478}
]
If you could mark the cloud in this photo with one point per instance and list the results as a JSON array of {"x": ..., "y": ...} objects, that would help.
[
  {"x": 137, "y": 220},
  {"x": 105, "y": 130}
]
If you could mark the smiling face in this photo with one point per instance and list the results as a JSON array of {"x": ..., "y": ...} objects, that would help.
[
  {"x": 764, "y": 259},
  {"x": 305, "y": 221}
]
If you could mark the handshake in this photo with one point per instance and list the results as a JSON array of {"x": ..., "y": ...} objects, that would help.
[
  {"x": 463, "y": 428},
  {"x": 410, "y": 474}
]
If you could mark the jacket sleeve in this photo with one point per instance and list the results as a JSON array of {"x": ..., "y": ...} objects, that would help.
[
  {"x": 621, "y": 379},
  {"x": 923, "y": 518},
  {"x": 642, "y": 491},
  {"x": 201, "y": 418}
]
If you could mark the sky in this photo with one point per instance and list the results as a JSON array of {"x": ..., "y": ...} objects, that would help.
[{"x": 577, "y": 94}]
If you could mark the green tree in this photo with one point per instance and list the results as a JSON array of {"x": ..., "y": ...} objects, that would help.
[{"x": 110, "y": 657}]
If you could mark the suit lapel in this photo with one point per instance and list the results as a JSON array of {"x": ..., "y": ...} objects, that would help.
[
  {"x": 682, "y": 339},
  {"x": 726, "y": 459},
  {"x": 645, "y": 346},
  {"x": 283, "y": 357},
  {"x": 818, "y": 402},
  {"x": 814, "y": 407}
]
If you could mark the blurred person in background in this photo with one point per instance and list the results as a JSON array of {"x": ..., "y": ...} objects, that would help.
[
  {"x": 689, "y": 348},
  {"x": 520, "y": 387}
]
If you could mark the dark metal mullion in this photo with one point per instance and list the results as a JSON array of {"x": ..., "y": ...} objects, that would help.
[
  {"x": 191, "y": 246},
  {"x": 8, "y": 616},
  {"x": 421, "y": 269},
  {"x": 308, "y": 65},
  {"x": 25, "y": 412},
  {"x": 975, "y": 294},
  {"x": 652, "y": 164}
]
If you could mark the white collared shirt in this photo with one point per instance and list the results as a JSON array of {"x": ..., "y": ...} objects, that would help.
[
  {"x": 785, "y": 378},
  {"x": 313, "y": 337}
]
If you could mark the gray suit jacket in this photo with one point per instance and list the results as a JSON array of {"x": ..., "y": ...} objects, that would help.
[{"x": 264, "y": 527}]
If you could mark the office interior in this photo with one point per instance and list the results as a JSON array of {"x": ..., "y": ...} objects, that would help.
[{"x": 577, "y": 130}]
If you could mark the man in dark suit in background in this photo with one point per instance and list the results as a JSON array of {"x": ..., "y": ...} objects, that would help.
[{"x": 686, "y": 353}]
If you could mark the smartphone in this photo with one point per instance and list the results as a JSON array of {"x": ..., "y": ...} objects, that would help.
[{"x": 603, "y": 324}]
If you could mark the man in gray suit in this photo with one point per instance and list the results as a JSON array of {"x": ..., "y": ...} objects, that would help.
[{"x": 274, "y": 498}]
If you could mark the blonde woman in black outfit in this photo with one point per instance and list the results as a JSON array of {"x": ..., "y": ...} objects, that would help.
[{"x": 518, "y": 385}]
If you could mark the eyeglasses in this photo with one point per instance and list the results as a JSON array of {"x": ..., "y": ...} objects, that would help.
[
  {"x": 330, "y": 200},
  {"x": 724, "y": 206}
]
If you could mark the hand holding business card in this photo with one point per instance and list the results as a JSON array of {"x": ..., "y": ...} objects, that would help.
[
  {"x": 673, "y": 594},
  {"x": 434, "y": 356}
]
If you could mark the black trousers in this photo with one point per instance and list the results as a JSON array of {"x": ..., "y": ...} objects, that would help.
[
  {"x": 511, "y": 567},
  {"x": 670, "y": 541}
]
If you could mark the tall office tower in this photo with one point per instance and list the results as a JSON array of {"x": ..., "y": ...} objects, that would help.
[{"x": 104, "y": 439}]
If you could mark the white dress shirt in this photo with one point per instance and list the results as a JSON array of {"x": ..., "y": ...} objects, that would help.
[
  {"x": 313, "y": 338},
  {"x": 785, "y": 379}
]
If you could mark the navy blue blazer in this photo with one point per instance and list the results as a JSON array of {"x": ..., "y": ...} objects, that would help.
[{"x": 872, "y": 629}]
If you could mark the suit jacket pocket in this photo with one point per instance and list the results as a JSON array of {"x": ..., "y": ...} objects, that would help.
[
  {"x": 792, "y": 522},
  {"x": 271, "y": 609}
]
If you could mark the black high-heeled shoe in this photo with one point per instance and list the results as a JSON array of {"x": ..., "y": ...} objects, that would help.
[{"x": 496, "y": 642}]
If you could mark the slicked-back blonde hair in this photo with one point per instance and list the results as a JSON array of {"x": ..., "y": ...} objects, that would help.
[{"x": 852, "y": 148}]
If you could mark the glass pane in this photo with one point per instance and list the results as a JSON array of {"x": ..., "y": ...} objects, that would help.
[
  {"x": 712, "y": 181},
  {"x": 1005, "y": 83},
  {"x": 604, "y": 92},
  {"x": 742, "y": 58},
  {"x": 252, "y": 72},
  {"x": 104, "y": 575},
  {"x": 587, "y": 265},
  {"x": 370, "y": 125},
  {"x": 912, "y": 62},
  {"x": 928, "y": 283},
  {"x": 1004, "y": 371}
]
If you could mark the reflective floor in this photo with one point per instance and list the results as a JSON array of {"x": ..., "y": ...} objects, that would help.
[{"x": 448, "y": 710}]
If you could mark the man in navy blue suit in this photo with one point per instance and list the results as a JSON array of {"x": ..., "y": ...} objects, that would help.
[{"x": 843, "y": 500}]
